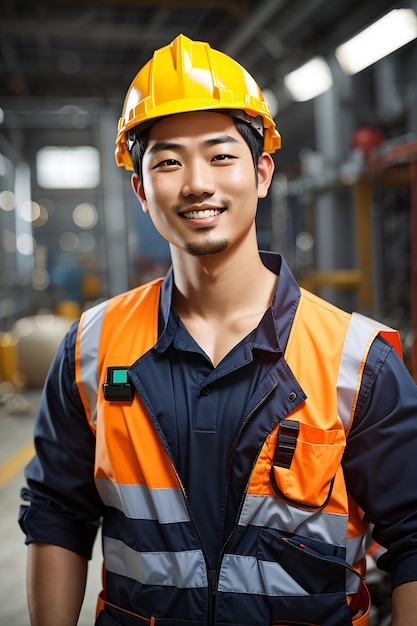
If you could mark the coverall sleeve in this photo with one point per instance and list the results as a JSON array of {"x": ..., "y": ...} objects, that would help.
[
  {"x": 380, "y": 461},
  {"x": 65, "y": 508}
]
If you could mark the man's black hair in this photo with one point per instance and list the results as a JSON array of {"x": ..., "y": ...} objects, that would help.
[{"x": 250, "y": 135}]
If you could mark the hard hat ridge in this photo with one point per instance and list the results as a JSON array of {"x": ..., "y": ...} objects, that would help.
[{"x": 187, "y": 76}]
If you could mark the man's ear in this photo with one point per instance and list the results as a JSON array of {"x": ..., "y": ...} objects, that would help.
[
  {"x": 266, "y": 167},
  {"x": 139, "y": 191}
]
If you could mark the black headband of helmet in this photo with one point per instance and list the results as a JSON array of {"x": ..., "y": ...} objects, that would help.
[{"x": 254, "y": 122}]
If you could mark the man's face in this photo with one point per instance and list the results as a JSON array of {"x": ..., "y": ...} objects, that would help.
[{"x": 199, "y": 184}]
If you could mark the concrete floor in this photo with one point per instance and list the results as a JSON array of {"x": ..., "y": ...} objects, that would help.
[{"x": 17, "y": 414}]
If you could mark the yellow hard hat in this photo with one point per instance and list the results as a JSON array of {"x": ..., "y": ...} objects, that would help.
[{"x": 188, "y": 76}]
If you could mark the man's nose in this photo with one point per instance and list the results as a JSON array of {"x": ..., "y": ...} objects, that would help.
[{"x": 198, "y": 179}]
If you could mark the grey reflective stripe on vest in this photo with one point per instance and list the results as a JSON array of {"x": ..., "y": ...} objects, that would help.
[
  {"x": 266, "y": 511},
  {"x": 249, "y": 575},
  {"x": 331, "y": 528},
  {"x": 185, "y": 570},
  {"x": 359, "y": 336},
  {"x": 355, "y": 551},
  {"x": 91, "y": 323},
  {"x": 139, "y": 502}
]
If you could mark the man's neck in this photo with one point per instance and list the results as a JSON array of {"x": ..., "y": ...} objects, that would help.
[
  {"x": 222, "y": 301},
  {"x": 218, "y": 284}
]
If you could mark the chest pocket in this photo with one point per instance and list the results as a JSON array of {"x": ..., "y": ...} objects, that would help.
[{"x": 305, "y": 464}]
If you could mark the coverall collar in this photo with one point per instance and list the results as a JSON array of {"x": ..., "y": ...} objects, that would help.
[{"x": 283, "y": 307}]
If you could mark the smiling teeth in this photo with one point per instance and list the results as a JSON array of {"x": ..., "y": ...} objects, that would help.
[{"x": 198, "y": 215}]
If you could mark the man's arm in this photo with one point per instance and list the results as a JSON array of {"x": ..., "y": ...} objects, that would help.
[
  {"x": 56, "y": 579},
  {"x": 379, "y": 468},
  {"x": 404, "y": 605},
  {"x": 65, "y": 509}
]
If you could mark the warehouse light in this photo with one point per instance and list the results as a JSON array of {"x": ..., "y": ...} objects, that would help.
[
  {"x": 68, "y": 167},
  {"x": 310, "y": 80},
  {"x": 392, "y": 31}
]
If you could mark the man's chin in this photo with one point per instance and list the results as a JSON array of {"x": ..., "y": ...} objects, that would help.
[{"x": 206, "y": 248}]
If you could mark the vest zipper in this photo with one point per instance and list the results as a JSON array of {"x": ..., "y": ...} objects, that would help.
[
  {"x": 229, "y": 465},
  {"x": 212, "y": 581},
  {"x": 184, "y": 493},
  {"x": 245, "y": 421},
  {"x": 211, "y": 574}
]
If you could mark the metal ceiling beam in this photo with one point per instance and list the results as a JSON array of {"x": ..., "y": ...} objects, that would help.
[
  {"x": 66, "y": 31},
  {"x": 237, "y": 8},
  {"x": 255, "y": 21}
]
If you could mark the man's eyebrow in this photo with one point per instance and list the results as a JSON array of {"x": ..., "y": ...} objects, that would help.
[
  {"x": 164, "y": 145},
  {"x": 159, "y": 146},
  {"x": 214, "y": 141}
]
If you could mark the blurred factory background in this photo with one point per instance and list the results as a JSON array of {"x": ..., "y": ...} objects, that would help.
[
  {"x": 343, "y": 205},
  {"x": 342, "y": 208}
]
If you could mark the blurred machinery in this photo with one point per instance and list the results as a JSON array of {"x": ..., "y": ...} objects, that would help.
[
  {"x": 27, "y": 350},
  {"x": 375, "y": 191}
]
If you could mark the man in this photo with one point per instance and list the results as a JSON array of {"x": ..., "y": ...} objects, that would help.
[{"x": 234, "y": 433}]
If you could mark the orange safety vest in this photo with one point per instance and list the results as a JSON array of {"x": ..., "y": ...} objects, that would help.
[{"x": 297, "y": 551}]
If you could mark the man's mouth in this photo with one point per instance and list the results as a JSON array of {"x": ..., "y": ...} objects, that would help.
[{"x": 201, "y": 214}]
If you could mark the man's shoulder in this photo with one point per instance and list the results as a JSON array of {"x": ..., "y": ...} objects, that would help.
[
  {"x": 126, "y": 298},
  {"x": 322, "y": 305},
  {"x": 136, "y": 292}
]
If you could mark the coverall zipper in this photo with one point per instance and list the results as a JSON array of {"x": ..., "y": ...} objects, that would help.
[
  {"x": 212, "y": 581},
  {"x": 213, "y": 574}
]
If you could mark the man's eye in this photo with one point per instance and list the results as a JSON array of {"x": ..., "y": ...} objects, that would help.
[
  {"x": 167, "y": 163},
  {"x": 223, "y": 157}
]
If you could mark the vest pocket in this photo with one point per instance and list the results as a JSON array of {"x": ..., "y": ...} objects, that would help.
[
  {"x": 311, "y": 611},
  {"x": 315, "y": 566},
  {"x": 313, "y": 457},
  {"x": 313, "y": 577},
  {"x": 327, "y": 611}
]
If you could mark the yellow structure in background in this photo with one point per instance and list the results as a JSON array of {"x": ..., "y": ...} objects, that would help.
[{"x": 8, "y": 358}]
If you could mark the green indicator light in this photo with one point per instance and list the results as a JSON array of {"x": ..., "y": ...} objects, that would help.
[{"x": 119, "y": 376}]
